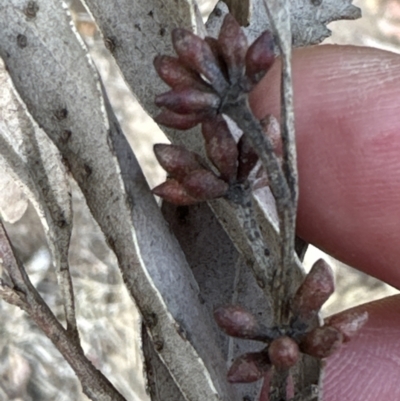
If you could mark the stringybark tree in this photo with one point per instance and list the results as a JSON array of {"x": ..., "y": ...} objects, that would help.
[{"x": 237, "y": 189}]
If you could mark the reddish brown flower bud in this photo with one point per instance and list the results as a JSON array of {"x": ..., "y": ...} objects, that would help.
[
  {"x": 180, "y": 121},
  {"x": 214, "y": 46},
  {"x": 176, "y": 160},
  {"x": 249, "y": 367},
  {"x": 220, "y": 146},
  {"x": 283, "y": 353},
  {"x": 195, "y": 53},
  {"x": 172, "y": 191},
  {"x": 322, "y": 342},
  {"x": 173, "y": 73},
  {"x": 233, "y": 44},
  {"x": 260, "y": 57},
  {"x": 204, "y": 185},
  {"x": 348, "y": 323},
  {"x": 316, "y": 288},
  {"x": 236, "y": 321},
  {"x": 247, "y": 158},
  {"x": 187, "y": 100}
]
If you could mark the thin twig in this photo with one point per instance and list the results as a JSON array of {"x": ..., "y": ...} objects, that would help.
[
  {"x": 279, "y": 15},
  {"x": 94, "y": 384},
  {"x": 240, "y": 112},
  {"x": 278, "y": 386},
  {"x": 263, "y": 268},
  {"x": 67, "y": 293}
]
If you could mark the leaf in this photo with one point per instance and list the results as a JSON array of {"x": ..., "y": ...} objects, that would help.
[
  {"x": 35, "y": 164},
  {"x": 308, "y": 19},
  {"x": 53, "y": 65},
  {"x": 160, "y": 385},
  {"x": 221, "y": 273}
]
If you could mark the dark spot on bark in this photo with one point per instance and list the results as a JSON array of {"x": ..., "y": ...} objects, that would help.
[
  {"x": 22, "y": 41},
  {"x": 31, "y": 9},
  {"x": 137, "y": 26},
  {"x": 150, "y": 319},
  {"x": 260, "y": 282},
  {"x": 201, "y": 299},
  {"x": 110, "y": 44},
  {"x": 150, "y": 14},
  {"x": 65, "y": 135},
  {"x": 217, "y": 12},
  {"x": 88, "y": 170},
  {"x": 162, "y": 31},
  {"x": 61, "y": 114},
  {"x": 111, "y": 242},
  {"x": 316, "y": 2},
  {"x": 61, "y": 223},
  {"x": 65, "y": 162},
  {"x": 159, "y": 345},
  {"x": 247, "y": 398},
  {"x": 182, "y": 333},
  {"x": 267, "y": 252},
  {"x": 110, "y": 143}
]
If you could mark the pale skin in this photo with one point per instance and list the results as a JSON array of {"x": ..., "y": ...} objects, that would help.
[{"x": 347, "y": 105}]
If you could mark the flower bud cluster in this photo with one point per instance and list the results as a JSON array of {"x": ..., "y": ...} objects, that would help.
[
  {"x": 284, "y": 345},
  {"x": 190, "y": 181},
  {"x": 206, "y": 71},
  {"x": 202, "y": 77}
]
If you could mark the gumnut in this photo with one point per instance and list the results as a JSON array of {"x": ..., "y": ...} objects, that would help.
[
  {"x": 283, "y": 353},
  {"x": 236, "y": 321},
  {"x": 249, "y": 367},
  {"x": 188, "y": 100},
  {"x": 260, "y": 57},
  {"x": 204, "y": 185},
  {"x": 315, "y": 290},
  {"x": 172, "y": 191},
  {"x": 348, "y": 323},
  {"x": 220, "y": 146},
  {"x": 174, "y": 74},
  {"x": 196, "y": 54},
  {"x": 233, "y": 46},
  {"x": 322, "y": 342},
  {"x": 215, "y": 48},
  {"x": 176, "y": 160},
  {"x": 206, "y": 70},
  {"x": 179, "y": 121},
  {"x": 247, "y": 158}
]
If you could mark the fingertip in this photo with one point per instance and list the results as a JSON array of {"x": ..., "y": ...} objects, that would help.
[
  {"x": 367, "y": 368},
  {"x": 347, "y": 103}
]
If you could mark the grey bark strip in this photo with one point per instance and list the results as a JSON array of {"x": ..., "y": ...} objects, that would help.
[
  {"x": 308, "y": 19},
  {"x": 47, "y": 62},
  {"x": 160, "y": 385},
  {"x": 34, "y": 162},
  {"x": 222, "y": 274},
  {"x": 279, "y": 15}
]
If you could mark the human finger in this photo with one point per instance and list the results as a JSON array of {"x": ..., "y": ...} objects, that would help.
[{"x": 347, "y": 119}]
